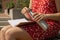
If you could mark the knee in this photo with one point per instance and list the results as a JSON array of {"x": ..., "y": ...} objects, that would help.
[
  {"x": 8, "y": 33},
  {"x": 12, "y": 32},
  {"x": 16, "y": 33},
  {"x": 5, "y": 28}
]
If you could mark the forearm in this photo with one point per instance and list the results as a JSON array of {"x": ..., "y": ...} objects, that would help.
[
  {"x": 30, "y": 4},
  {"x": 55, "y": 16}
]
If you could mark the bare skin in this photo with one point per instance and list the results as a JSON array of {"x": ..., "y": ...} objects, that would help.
[
  {"x": 15, "y": 33},
  {"x": 39, "y": 16},
  {"x": 6, "y": 29},
  {"x": 3, "y": 31},
  {"x": 7, "y": 32}
]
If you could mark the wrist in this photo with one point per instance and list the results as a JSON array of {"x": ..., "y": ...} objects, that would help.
[{"x": 48, "y": 16}]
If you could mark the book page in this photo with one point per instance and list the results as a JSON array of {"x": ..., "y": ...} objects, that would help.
[{"x": 16, "y": 21}]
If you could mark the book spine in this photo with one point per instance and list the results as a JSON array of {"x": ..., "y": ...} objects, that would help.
[{"x": 41, "y": 23}]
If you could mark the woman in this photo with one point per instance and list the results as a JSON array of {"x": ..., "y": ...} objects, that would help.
[{"x": 45, "y": 10}]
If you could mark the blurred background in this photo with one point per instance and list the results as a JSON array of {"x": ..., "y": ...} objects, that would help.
[
  {"x": 8, "y": 4},
  {"x": 11, "y": 9}
]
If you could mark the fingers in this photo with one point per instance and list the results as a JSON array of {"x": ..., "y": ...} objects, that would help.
[
  {"x": 34, "y": 14},
  {"x": 24, "y": 10},
  {"x": 38, "y": 17}
]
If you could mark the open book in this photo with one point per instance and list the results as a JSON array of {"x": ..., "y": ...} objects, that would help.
[
  {"x": 20, "y": 22},
  {"x": 16, "y": 21}
]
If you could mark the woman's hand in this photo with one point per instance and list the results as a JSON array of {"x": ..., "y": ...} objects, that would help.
[
  {"x": 25, "y": 12},
  {"x": 38, "y": 17}
]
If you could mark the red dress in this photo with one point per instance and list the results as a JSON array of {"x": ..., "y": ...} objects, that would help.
[{"x": 36, "y": 32}]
